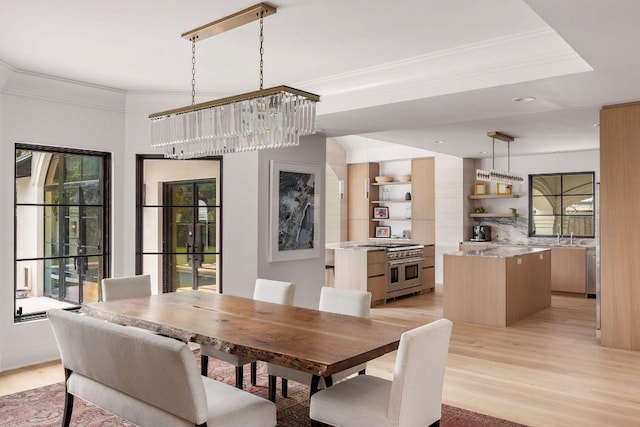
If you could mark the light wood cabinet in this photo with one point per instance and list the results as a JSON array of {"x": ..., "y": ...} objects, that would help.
[
  {"x": 362, "y": 270},
  {"x": 619, "y": 232},
  {"x": 569, "y": 270},
  {"x": 423, "y": 213},
  {"x": 428, "y": 268},
  {"x": 423, "y": 196},
  {"x": 359, "y": 195},
  {"x": 362, "y": 199},
  {"x": 496, "y": 291}
]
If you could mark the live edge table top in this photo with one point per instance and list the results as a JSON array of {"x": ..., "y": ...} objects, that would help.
[{"x": 312, "y": 341}]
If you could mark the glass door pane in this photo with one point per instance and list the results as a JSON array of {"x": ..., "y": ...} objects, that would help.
[
  {"x": 206, "y": 236},
  {"x": 178, "y": 227}
]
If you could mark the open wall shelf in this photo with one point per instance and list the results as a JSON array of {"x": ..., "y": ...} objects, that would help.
[
  {"x": 491, "y": 215},
  {"x": 493, "y": 196}
]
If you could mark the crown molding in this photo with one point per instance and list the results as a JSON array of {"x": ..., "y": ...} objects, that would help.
[{"x": 48, "y": 88}]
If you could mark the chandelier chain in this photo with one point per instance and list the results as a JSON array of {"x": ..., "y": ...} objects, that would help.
[
  {"x": 193, "y": 71},
  {"x": 261, "y": 51}
]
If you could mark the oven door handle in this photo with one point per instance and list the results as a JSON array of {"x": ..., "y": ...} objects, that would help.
[{"x": 405, "y": 261}]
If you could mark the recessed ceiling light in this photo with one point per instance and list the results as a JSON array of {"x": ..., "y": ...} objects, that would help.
[
  {"x": 597, "y": 125},
  {"x": 439, "y": 141},
  {"x": 524, "y": 99},
  {"x": 482, "y": 152}
]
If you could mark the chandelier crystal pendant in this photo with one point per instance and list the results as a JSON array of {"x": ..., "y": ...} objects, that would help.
[
  {"x": 493, "y": 175},
  {"x": 267, "y": 118}
]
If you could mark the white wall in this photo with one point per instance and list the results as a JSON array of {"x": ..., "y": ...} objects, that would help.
[
  {"x": 50, "y": 112},
  {"x": 307, "y": 274}
]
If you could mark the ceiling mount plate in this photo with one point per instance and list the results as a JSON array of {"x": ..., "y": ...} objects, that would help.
[
  {"x": 230, "y": 22},
  {"x": 501, "y": 136}
]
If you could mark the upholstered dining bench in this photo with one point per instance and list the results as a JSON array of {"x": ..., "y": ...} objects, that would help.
[{"x": 147, "y": 379}]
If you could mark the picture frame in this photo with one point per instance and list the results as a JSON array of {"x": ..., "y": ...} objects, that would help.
[
  {"x": 501, "y": 189},
  {"x": 383, "y": 231},
  {"x": 480, "y": 189},
  {"x": 380, "y": 212},
  {"x": 294, "y": 207}
]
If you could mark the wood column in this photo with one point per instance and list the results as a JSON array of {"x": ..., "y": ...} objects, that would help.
[{"x": 619, "y": 225}]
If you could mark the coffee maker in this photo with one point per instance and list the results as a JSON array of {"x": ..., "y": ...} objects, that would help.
[{"x": 481, "y": 233}]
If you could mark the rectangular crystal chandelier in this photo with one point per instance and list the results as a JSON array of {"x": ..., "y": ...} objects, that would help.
[
  {"x": 268, "y": 118},
  {"x": 492, "y": 175}
]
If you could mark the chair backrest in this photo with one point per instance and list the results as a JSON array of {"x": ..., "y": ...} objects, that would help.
[
  {"x": 345, "y": 301},
  {"x": 416, "y": 393},
  {"x": 274, "y": 291},
  {"x": 132, "y": 362},
  {"x": 115, "y": 288}
]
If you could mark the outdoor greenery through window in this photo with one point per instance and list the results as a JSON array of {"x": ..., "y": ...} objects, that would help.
[
  {"x": 562, "y": 204},
  {"x": 61, "y": 224}
]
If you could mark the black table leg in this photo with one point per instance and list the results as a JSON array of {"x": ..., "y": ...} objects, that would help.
[{"x": 272, "y": 388}]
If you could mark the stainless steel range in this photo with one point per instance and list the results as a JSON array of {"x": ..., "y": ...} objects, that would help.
[{"x": 404, "y": 262}]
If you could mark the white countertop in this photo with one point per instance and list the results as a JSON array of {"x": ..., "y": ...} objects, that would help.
[
  {"x": 530, "y": 245},
  {"x": 501, "y": 251},
  {"x": 363, "y": 246}
]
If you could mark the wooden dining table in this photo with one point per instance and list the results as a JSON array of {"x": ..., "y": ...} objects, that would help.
[{"x": 312, "y": 341}]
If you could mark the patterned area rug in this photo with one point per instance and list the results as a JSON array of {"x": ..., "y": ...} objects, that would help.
[{"x": 43, "y": 407}]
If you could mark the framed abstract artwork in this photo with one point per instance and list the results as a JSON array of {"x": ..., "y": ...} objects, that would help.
[{"x": 294, "y": 198}]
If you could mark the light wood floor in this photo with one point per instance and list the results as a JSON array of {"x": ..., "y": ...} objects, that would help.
[{"x": 546, "y": 370}]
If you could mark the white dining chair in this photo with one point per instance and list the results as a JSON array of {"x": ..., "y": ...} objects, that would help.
[
  {"x": 413, "y": 398},
  {"x": 341, "y": 301},
  {"x": 115, "y": 288},
  {"x": 266, "y": 290}
]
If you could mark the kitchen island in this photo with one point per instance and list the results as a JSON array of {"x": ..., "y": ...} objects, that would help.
[
  {"x": 496, "y": 286},
  {"x": 386, "y": 268}
]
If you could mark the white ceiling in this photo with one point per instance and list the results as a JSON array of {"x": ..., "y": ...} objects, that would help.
[{"x": 410, "y": 72}]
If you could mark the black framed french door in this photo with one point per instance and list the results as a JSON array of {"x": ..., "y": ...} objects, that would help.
[
  {"x": 190, "y": 234},
  {"x": 178, "y": 222}
]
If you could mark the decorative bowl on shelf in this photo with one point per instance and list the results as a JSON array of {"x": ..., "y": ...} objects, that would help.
[
  {"x": 383, "y": 178},
  {"x": 404, "y": 178}
]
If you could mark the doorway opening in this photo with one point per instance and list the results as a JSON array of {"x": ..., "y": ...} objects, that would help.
[{"x": 178, "y": 223}]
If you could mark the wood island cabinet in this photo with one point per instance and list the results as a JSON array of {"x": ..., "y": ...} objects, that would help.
[
  {"x": 497, "y": 286},
  {"x": 362, "y": 270},
  {"x": 428, "y": 268}
]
